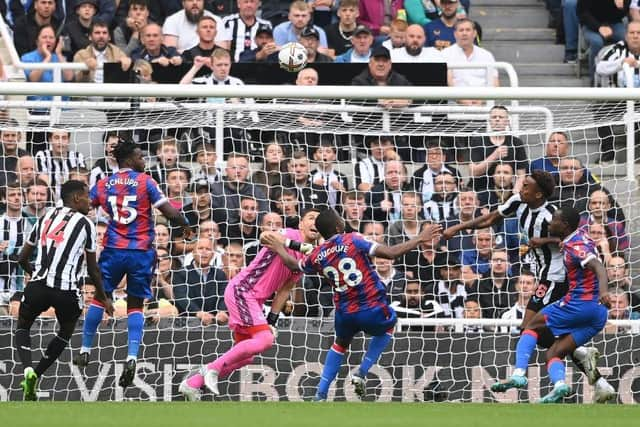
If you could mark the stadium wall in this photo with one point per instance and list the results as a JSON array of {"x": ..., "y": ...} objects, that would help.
[{"x": 418, "y": 367}]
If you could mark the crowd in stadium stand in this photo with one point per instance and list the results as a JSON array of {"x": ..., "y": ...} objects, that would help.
[{"x": 476, "y": 274}]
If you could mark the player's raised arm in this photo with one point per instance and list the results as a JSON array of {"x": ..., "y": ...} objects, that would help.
[
  {"x": 429, "y": 233},
  {"x": 482, "y": 221},
  {"x": 174, "y": 217}
]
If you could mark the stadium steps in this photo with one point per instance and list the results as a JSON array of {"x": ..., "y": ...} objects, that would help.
[{"x": 516, "y": 31}]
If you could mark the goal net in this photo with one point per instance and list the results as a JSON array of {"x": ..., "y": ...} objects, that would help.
[{"x": 238, "y": 165}]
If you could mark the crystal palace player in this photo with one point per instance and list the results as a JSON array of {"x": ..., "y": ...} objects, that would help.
[
  {"x": 244, "y": 296},
  {"x": 534, "y": 214},
  {"x": 65, "y": 237},
  {"x": 574, "y": 319},
  {"x": 360, "y": 296},
  {"x": 129, "y": 197}
]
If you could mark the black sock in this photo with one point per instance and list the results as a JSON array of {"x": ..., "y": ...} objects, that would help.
[
  {"x": 23, "y": 346},
  {"x": 53, "y": 351}
]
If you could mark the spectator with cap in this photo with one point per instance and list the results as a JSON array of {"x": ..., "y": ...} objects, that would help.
[
  {"x": 299, "y": 19},
  {"x": 439, "y": 32},
  {"x": 266, "y": 49},
  {"x": 380, "y": 73},
  {"x": 310, "y": 39},
  {"x": 362, "y": 40},
  {"x": 78, "y": 26},
  {"x": 414, "y": 50}
]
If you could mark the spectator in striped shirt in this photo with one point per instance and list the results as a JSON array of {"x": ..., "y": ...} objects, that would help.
[
  {"x": 444, "y": 201},
  {"x": 58, "y": 161},
  {"x": 239, "y": 30},
  {"x": 206, "y": 157},
  {"x": 14, "y": 226},
  {"x": 370, "y": 170},
  {"x": 626, "y": 51},
  {"x": 108, "y": 164}
]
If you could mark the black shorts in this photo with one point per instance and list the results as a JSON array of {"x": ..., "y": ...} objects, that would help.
[
  {"x": 547, "y": 293},
  {"x": 38, "y": 297}
]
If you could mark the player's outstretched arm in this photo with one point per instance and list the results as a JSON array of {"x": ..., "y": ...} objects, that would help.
[
  {"x": 482, "y": 221},
  {"x": 96, "y": 277},
  {"x": 174, "y": 216},
  {"x": 274, "y": 241},
  {"x": 596, "y": 266},
  {"x": 429, "y": 233}
]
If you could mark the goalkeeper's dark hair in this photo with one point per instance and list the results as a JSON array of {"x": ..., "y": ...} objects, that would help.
[
  {"x": 124, "y": 150},
  {"x": 70, "y": 188},
  {"x": 570, "y": 216},
  {"x": 326, "y": 223},
  {"x": 545, "y": 182},
  {"x": 308, "y": 210}
]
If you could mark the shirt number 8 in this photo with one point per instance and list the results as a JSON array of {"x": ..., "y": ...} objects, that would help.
[{"x": 351, "y": 276}]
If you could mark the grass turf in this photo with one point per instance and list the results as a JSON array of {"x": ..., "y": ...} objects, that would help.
[{"x": 301, "y": 414}]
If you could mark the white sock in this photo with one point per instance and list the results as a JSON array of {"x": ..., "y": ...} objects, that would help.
[
  {"x": 519, "y": 372},
  {"x": 131, "y": 358},
  {"x": 580, "y": 352},
  {"x": 85, "y": 350},
  {"x": 558, "y": 383}
]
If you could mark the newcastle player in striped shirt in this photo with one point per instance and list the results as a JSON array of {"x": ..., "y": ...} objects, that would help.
[
  {"x": 534, "y": 214},
  {"x": 64, "y": 237}
]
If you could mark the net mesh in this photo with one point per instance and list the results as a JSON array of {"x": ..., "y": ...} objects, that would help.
[{"x": 453, "y": 362}]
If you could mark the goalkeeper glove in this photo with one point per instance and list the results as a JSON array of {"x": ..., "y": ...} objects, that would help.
[{"x": 304, "y": 248}]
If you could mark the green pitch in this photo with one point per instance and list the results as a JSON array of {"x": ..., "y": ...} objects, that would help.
[{"x": 281, "y": 414}]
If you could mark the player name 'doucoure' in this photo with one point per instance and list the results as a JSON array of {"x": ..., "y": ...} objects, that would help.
[
  {"x": 339, "y": 248},
  {"x": 119, "y": 181}
]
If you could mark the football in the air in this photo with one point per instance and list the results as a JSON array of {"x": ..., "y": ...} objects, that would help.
[{"x": 292, "y": 57}]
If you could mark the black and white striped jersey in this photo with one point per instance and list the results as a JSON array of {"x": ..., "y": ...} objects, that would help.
[
  {"x": 13, "y": 231},
  {"x": 546, "y": 261},
  {"x": 58, "y": 169},
  {"x": 611, "y": 60},
  {"x": 241, "y": 36},
  {"x": 61, "y": 236}
]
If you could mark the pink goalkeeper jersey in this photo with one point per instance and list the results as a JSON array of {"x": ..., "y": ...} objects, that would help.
[{"x": 267, "y": 273}]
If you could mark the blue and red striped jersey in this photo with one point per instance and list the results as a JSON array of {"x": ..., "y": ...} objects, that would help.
[
  {"x": 578, "y": 249},
  {"x": 129, "y": 198},
  {"x": 345, "y": 261}
]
